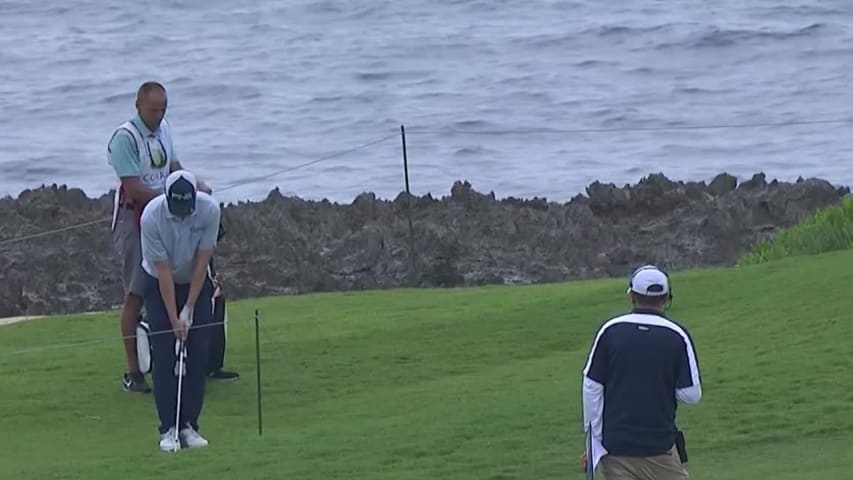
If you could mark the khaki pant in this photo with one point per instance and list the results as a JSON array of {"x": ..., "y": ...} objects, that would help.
[
  {"x": 662, "y": 467},
  {"x": 128, "y": 246}
]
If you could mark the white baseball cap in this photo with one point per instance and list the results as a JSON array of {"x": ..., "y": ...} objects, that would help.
[{"x": 649, "y": 280}]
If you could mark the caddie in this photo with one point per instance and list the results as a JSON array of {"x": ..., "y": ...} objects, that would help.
[
  {"x": 179, "y": 234},
  {"x": 142, "y": 154}
]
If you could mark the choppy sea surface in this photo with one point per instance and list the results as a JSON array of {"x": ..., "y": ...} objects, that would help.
[{"x": 522, "y": 98}]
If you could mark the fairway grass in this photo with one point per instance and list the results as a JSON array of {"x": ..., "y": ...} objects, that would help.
[{"x": 480, "y": 383}]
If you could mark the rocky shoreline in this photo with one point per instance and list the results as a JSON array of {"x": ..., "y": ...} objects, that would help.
[{"x": 286, "y": 245}]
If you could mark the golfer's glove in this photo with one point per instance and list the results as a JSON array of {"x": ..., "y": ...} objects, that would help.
[{"x": 186, "y": 316}]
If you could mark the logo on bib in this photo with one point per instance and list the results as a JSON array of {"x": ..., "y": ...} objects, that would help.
[
  {"x": 158, "y": 154},
  {"x": 155, "y": 180}
]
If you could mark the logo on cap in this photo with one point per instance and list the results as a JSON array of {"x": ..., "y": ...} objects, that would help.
[
  {"x": 181, "y": 191},
  {"x": 181, "y": 196}
]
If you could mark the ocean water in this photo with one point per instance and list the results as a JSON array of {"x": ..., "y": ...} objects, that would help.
[{"x": 520, "y": 98}]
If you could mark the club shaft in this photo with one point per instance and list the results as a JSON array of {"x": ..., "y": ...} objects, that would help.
[{"x": 180, "y": 384}]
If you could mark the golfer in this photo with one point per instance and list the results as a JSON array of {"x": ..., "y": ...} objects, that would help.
[
  {"x": 179, "y": 233},
  {"x": 142, "y": 154},
  {"x": 641, "y": 363}
]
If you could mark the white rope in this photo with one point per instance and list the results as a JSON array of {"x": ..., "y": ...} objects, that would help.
[
  {"x": 266, "y": 176},
  {"x": 95, "y": 341}
]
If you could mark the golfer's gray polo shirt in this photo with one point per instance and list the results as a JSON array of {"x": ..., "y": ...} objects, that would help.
[{"x": 167, "y": 237}]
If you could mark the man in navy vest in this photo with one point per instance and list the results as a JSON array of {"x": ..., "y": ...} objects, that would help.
[{"x": 640, "y": 365}]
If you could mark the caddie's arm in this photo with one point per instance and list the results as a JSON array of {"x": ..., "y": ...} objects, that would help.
[
  {"x": 595, "y": 375},
  {"x": 154, "y": 251},
  {"x": 125, "y": 161},
  {"x": 688, "y": 386},
  {"x": 204, "y": 252},
  {"x": 202, "y": 187}
]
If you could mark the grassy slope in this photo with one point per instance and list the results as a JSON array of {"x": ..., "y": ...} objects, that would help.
[
  {"x": 450, "y": 384},
  {"x": 829, "y": 229}
]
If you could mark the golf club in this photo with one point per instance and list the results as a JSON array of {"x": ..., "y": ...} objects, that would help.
[{"x": 179, "y": 372}]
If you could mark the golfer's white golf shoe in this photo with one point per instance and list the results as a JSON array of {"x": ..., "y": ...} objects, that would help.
[
  {"x": 169, "y": 441},
  {"x": 192, "y": 439}
]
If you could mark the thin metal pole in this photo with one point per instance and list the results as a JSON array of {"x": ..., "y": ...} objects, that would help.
[
  {"x": 408, "y": 200},
  {"x": 258, "y": 369}
]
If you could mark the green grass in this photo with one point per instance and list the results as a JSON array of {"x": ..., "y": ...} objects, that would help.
[
  {"x": 827, "y": 230},
  {"x": 450, "y": 384}
]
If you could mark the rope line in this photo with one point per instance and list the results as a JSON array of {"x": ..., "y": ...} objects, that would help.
[
  {"x": 238, "y": 183},
  {"x": 307, "y": 164},
  {"x": 249, "y": 180},
  {"x": 51, "y": 232},
  {"x": 427, "y": 130},
  {"x": 94, "y": 341}
]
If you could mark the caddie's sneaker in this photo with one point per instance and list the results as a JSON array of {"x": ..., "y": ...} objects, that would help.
[
  {"x": 192, "y": 439},
  {"x": 169, "y": 441},
  {"x": 135, "y": 383}
]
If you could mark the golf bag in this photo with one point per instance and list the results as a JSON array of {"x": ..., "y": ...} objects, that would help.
[
  {"x": 220, "y": 317},
  {"x": 144, "y": 350}
]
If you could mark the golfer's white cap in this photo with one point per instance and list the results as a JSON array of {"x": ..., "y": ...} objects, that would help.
[{"x": 649, "y": 280}]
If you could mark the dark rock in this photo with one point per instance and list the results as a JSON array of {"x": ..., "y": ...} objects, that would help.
[
  {"x": 287, "y": 245},
  {"x": 722, "y": 184},
  {"x": 605, "y": 199},
  {"x": 757, "y": 182},
  {"x": 464, "y": 194}
]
